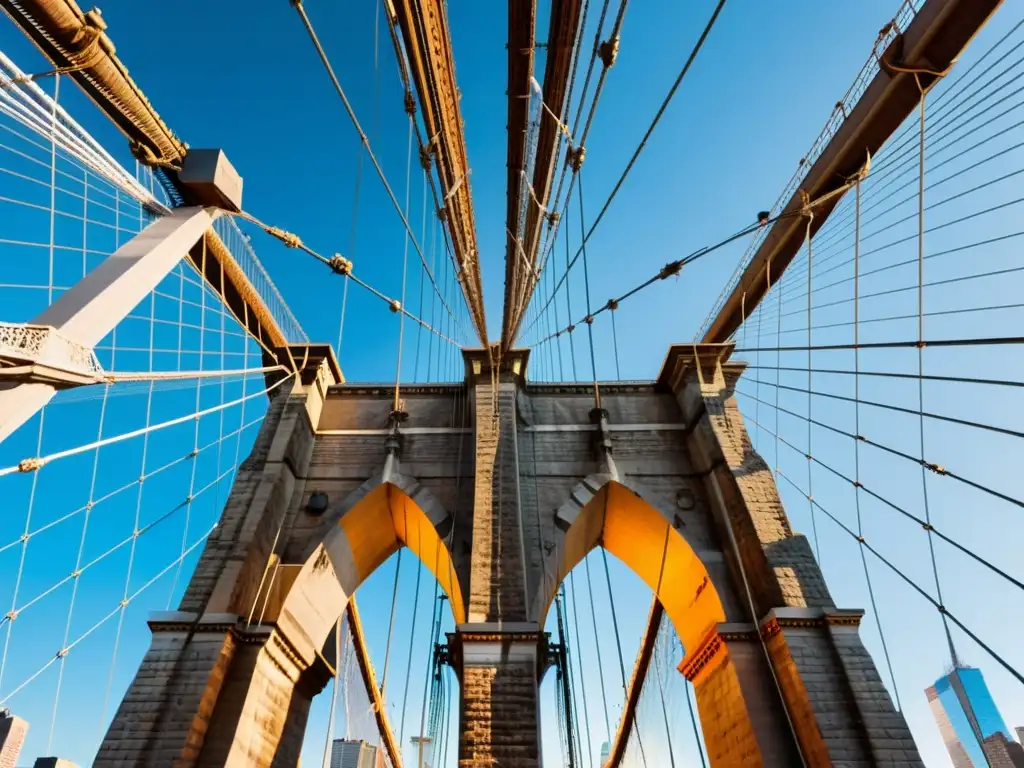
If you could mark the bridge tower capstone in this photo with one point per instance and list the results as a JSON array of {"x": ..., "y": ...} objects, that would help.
[{"x": 500, "y": 487}]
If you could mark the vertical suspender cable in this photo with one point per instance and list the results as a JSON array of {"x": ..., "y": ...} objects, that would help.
[
  {"x": 920, "y": 369},
  {"x": 583, "y": 677},
  {"x": 856, "y": 443},
  {"x": 325, "y": 762},
  {"x": 405, "y": 270},
  {"x": 810, "y": 394},
  {"x": 597, "y": 643},
  {"x": 586, "y": 284}
]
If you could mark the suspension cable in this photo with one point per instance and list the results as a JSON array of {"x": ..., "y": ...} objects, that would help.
[
  {"x": 650, "y": 130},
  {"x": 365, "y": 142},
  {"x": 856, "y": 445}
]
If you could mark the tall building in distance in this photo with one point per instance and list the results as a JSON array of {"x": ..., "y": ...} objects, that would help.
[
  {"x": 969, "y": 722},
  {"x": 351, "y": 753},
  {"x": 12, "y": 736},
  {"x": 605, "y": 753}
]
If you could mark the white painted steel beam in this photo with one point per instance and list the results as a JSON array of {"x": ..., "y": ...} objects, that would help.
[{"x": 91, "y": 309}]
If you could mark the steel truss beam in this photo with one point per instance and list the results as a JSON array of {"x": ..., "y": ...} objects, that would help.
[
  {"x": 77, "y": 43},
  {"x": 936, "y": 37},
  {"x": 424, "y": 27},
  {"x": 525, "y": 232},
  {"x": 933, "y": 41}
]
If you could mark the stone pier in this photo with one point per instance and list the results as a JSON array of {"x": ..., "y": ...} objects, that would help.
[{"x": 500, "y": 487}]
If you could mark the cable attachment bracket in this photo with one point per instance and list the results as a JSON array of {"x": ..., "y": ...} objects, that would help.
[
  {"x": 394, "y": 441},
  {"x": 670, "y": 270},
  {"x": 340, "y": 264},
  {"x": 603, "y": 441},
  {"x": 608, "y": 51},
  {"x": 574, "y": 157},
  {"x": 426, "y": 156},
  {"x": 290, "y": 239}
]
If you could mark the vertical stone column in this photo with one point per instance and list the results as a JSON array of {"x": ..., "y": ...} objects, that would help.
[
  {"x": 501, "y": 667},
  {"x": 740, "y": 715},
  {"x": 836, "y": 705},
  {"x": 165, "y": 715},
  {"x": 840, "y": 708},
  {"x": 498, "y": 655},
  {"x": 497, "y": 582},
  {"x": 264, "y": 702},
  {"x": 175, "y": 705}
]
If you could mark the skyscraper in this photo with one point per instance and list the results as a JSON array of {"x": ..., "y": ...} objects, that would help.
[
  {"x": 967, "y": 718},
  {"x": 12, "y": 736},
  {"x": 605, "y": 750},
  {"x": 351, "y": 753}
]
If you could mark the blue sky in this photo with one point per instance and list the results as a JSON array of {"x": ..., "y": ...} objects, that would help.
[{"x": 750, "y": 107}]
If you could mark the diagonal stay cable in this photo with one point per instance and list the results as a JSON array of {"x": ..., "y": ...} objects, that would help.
[
  {"x": 369, "y": 150},
  {"x": 647, "y": 135},
  {"x": 925, "y": 525},
  {"x": 120, "y": 607},
  {"x": 343, "y": 266},
  {"x": 36, "y": 463},
  {"x": 942, "y": 609}
]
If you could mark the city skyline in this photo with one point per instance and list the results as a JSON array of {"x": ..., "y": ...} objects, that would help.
[
  {"x": 353, "y": 753},
  {"x": 970, "y": 722}
]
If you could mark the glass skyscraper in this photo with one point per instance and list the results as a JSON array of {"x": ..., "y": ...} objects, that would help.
[
  {"x": 966, "y": 716},
  {"x": 351, "y": 753}
]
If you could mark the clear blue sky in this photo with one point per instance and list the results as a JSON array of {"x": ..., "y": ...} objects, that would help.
[{"x": 244, "y": 77}]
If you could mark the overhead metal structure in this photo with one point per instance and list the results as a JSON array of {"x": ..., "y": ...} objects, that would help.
[
  {"x": 522, "y": 16},
  {"x": 524, "y": 229},
  {"x": 933, "y": 41},
  {"x": 78, "y": 46},
  {"x": 930, "y": 44},
  {"x": 428, "y": 47}
]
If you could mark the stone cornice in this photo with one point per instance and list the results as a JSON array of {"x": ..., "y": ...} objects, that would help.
[
  {"x": 388, "y": 390},
  {"x": 704, "y": 659},
  {"x": 230, "y": 624},
  {"x": 779, "y": 619},
  {"x": 683, "y": 360},
  {"x": 583, "y": 388}
]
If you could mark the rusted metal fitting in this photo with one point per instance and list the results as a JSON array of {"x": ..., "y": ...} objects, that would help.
[
  {"x": 670, "y": 269},
  {"x": 608, "y": 51},
  {"x": 340, "y": 264},
  {"x": 575, "y": 158}
]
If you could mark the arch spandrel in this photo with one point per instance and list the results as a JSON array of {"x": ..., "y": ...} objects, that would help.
[
  {"x": 357, "y": 537},
  {"x": 644, "y": 538}
]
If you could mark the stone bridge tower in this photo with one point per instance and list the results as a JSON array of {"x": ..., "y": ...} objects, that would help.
[{"x": 500, "y": 487}]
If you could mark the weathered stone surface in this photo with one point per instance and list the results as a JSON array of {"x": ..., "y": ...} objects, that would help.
[
  {"x": 516, "y": 482},
  {"x": 499, "y": 717}
]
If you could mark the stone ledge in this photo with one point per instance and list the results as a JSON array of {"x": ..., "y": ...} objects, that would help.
[
  {"x": 780, "y": 618},
  {"x": 185, "y": 621}
]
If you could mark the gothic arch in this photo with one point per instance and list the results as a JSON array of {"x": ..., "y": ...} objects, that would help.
[
  {"x": 613, "y": 513},
  {"x": 356, "y": 536}
]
